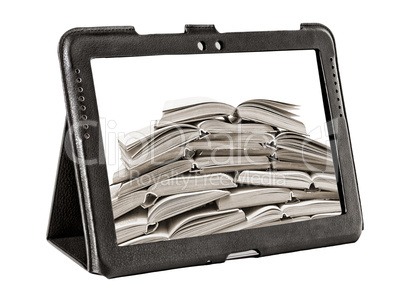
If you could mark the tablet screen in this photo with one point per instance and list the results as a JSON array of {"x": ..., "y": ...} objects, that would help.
[{"x": 198, "y": 145}]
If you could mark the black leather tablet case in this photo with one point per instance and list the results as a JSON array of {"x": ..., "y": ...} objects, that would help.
[{"x": 81, "y": 221}]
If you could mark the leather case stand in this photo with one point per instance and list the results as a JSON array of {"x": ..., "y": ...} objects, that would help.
[{"x": 81, "y": 221}]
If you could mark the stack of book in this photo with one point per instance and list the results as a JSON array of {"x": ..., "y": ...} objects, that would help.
[{"x": 207, "y": 167}]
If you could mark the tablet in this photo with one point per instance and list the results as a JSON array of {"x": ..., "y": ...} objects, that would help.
[{"x": 197, "y": 147}]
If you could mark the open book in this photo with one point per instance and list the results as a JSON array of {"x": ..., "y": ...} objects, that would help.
[
  {"x": 145, "y": 180},
  {"x": 272, "y": 214},
  {"x": 140, "y": 142},
  {"x": 196, "y": 127},
  {"x": 212, "y": 164},
  {"x": 216, "y": 126},
  {"x": 126, "y": 203},
  {"x": 176, "y": 204},
  {"x": 199, "y": 222},
  {"x": 232, "y": 144},
  {"x": 293, "y": 147},
  {"x": 253, "y": 196},
  {"x": 300, "y": 165},
  {"x": 262, "y": 111},
  {"x": 132, "y": 225},
  {"x": 208, "y": 167},
  {"x": 289, "y": 179},
  {"x": 186, "y": 184}
]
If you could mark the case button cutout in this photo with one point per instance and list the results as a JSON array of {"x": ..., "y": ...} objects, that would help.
[{"x": 200, "y": 29}]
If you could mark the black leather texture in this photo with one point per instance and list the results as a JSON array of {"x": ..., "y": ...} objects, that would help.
[
  {"x": 65, "y": 225},
  {"x": 81, "y": 223}
]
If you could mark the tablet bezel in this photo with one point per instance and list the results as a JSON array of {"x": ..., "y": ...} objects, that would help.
[{"x": 79, "y": 46}]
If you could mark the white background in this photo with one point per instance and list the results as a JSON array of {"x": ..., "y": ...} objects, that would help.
[{"x": 32, "y": 118}]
